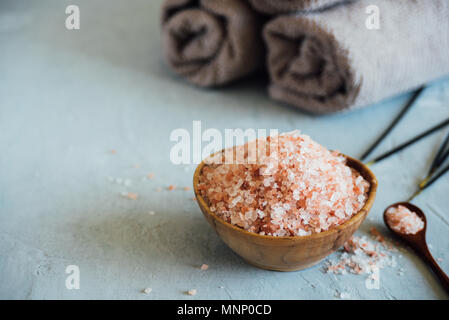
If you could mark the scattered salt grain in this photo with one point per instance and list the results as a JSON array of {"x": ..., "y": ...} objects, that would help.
[
  {"x": 402, "y": 220},
  {"x": 151, "y": 213},
  {"x": 376, "y": 234},
  {"x": 343, "y": 295},
  {"x": 300, "y": 186},
  {"x": 362, "y": 256},
  {"x": 127, "y": 183},
  {"x": 147, "y": 290},
  {"x": 204, "y": 267},
  {"x": 130, "y": 195},
  {"x": 192, "y": 292}
]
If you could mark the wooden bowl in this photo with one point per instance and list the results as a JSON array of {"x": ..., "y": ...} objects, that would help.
[{"x": 287, "y": 253}]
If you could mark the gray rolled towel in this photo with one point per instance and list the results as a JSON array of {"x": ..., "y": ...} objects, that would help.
[
  {"x": 330, "y": 61},
  {"x": 274, "y": 7},
  {"x": 212, "y": 42}
]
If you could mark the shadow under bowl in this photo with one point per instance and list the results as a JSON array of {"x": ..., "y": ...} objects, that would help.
[{"x": 287, "y": 253}]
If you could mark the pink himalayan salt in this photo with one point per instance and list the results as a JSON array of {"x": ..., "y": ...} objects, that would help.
[
  {"x": 362, "y": 256},
  {"x": 192, "y": 292},
  {"x": 402, "y": 220},
  {"x": 130, "y": 195},
  {"x": 376, "y": 234},
  {"x": 296, "y": 188}
]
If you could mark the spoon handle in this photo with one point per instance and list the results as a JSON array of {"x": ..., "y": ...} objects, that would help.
[{"x": 427, "y": 256}]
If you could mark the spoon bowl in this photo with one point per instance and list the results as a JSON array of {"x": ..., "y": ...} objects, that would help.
[
  {"x": 418, "y": 241},
  {"x": 287, "y": 253}
]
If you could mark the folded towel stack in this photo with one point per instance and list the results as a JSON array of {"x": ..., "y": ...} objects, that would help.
[
  {"x": 321, "y": 55},
  {"x": 212, "y": 42}
]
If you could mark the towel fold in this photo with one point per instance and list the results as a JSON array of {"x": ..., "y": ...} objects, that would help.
[
  {"x": 212, "y": 42},
  {"x": 273, "y": 7},
  {"x": 330, "y": 61}
]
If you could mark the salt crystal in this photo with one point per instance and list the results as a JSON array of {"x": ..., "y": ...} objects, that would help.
[
  {"x": 151, "y": 213},
  {"x": 192, "y": 292},
  {"x": 130, "y": 195},
  {"x": 344, "y": 295},
  {"x": 147, "y": 290},
  {"x": 377, "y": 235}
]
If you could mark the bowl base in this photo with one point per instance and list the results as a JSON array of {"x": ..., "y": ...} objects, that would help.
[{"x": 282, "y": 269}]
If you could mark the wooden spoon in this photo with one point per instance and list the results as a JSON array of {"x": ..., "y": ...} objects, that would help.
[{"x": 418, "y": 242}]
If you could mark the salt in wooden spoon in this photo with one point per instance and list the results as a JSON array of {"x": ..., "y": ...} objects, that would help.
[{"x": 418, "y": 242}]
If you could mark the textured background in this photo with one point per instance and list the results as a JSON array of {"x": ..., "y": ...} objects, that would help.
[{"x": 68, "y": 97}]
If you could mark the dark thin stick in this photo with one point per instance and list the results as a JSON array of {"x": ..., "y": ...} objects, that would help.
[
  {"x": 443, "y": 158},
  {"x": 437, "y": 162},
  {"x": 393, "y": 124},
  {"x": 435, "y": 178},
  {"x": 440, "y": 157},
  {"x": 411, "y": 141}
]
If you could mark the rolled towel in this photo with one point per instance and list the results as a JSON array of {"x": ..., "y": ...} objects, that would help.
[
  {"x": 331, "y": 61},
  {"x": 273, "y": 7},
  {"x": 212, "y": 42}
]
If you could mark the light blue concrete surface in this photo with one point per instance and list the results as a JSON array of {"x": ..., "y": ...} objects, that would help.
[{"x": 68, "y": 97}]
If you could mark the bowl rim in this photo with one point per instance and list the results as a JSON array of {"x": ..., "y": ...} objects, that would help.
[{"x": 355, "y": 164}]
